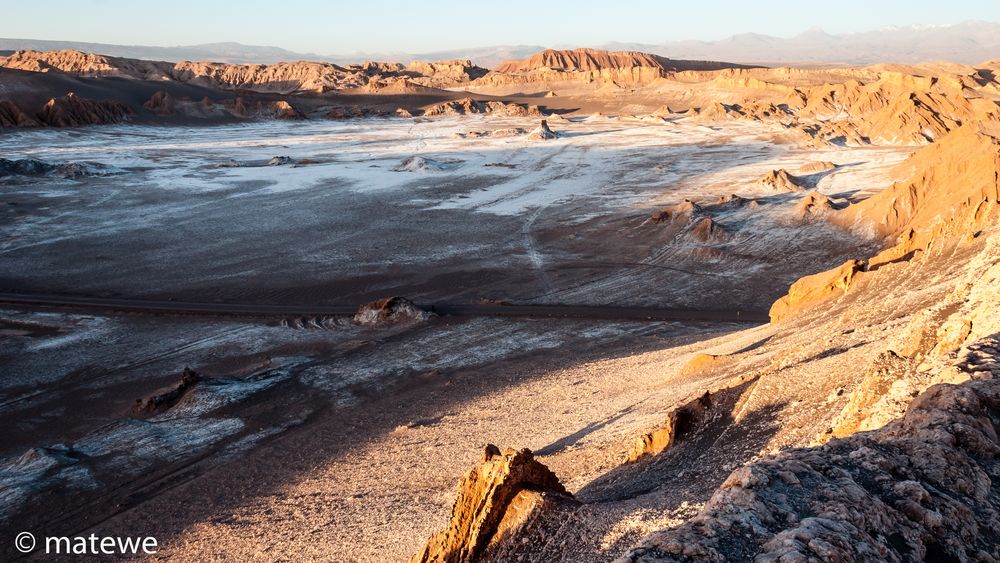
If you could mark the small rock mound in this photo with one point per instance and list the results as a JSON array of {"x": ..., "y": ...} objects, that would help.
[
  {"x": 780, "y": 181},
  {"x": 819, "y": 166},
  {"x": 679, "y": 422},
  {"x": 733, "y": 201},
  {"x": 700, "y": 362},
  {"x": 542, "y": 132},
  {"x": 496, "y": 501},
  {"x": 496, "y": 133},
  {"x": 24, "y": 167},
  {"x": 813, "y": 203},
  {"x": 358, "y": 112},
  {"x": 707, "y": 230},
  {"x": 263, "y": 109},
  {"x": 683, "y": 211},
  {"x": 280, "y": 161},
  {"x": 421, "y": 164},
  {"x": 69, "y": 170},
  {"x": 163, "y": 401},
  {"x": 468, "y": 106},
  {"x": 390, "y": 311}
]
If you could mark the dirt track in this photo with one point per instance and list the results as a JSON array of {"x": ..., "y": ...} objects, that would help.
[{"x": 456, "y": 309}]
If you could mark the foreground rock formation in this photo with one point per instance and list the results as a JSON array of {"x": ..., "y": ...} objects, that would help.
[{"x": 496, "y": 501}]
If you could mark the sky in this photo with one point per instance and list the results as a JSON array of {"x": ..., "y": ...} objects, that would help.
[{"x": 333, "y": 27}]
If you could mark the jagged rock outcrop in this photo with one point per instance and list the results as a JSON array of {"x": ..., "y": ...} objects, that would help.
[
  {"x": 584, "y": 60},
  {"x": 622, "y": 68},
  {"x": 683, "y": 211},
  {"x": 469, "y": 106},
  {"x": 780, "y": 181},
  {"x": 748, "y": 109},
  {"x": 496, "y": 501},
  {"x": 261, "y": 109},
  {"x": 13, "y": 116},
  {"x": 813, "y": 203},
  {"x": 816, "y": 288},
  {"x": 888, "y": 104},
  {"x": 163, "y": 401},
  {"x": 543, "y": 132},
  {"x": 389, "y": 311},
  {"x": 443, "y": 74},
  {"x": 919, "y": 489},
  {"x": 284, "y": 78},
  {"x": 89, "y": 65},
  {"x": 953, "y": 189},
  {"x": 73, "y": 111},
  {"x": 951, "y": 342},
  {"x": 945, "y": 179},
  {"x": 679, "y": 422},
  {"x": 161, "y": 103}
]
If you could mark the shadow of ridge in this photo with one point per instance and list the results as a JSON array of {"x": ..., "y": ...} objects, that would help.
[
  {"x": 812, "y": 180},
  {"x": 704, "y": 454},
  {"x": 567, "y": 441},
  {"x": 911, "y": 439}
]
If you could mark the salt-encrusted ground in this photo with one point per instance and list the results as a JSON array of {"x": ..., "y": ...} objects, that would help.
[{"x": 350, "y": 438}]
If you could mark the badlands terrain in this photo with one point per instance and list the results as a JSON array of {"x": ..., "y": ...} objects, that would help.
[{"x": 649, "y": 309}]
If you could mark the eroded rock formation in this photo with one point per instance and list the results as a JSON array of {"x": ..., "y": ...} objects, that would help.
[
  {"x": 163, "y": 401},
  {"x": 73, "y": 111},
  {"x": 953, "y": 189},
  {"x": 678, "y": 423},
  {"x": 469, "y": 106},
  {"x": 388, "y": 311},
  {"x": 543, "y": 132},
  {"x": 496, "y": 501},
  {"x": 285, "y": 78},
  {"x": 780, "y": 181}
]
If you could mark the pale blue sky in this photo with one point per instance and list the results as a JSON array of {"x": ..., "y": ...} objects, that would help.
[{"x": 327, "y": 27}]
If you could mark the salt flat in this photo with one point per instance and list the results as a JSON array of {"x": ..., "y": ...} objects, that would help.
[{"x": 342, "y": 221}]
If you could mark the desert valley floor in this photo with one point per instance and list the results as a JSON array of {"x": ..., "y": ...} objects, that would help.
[{"x": 309, "y": 425}]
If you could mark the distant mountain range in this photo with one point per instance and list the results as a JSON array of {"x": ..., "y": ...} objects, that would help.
[{"x": 968, "y": 42}]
